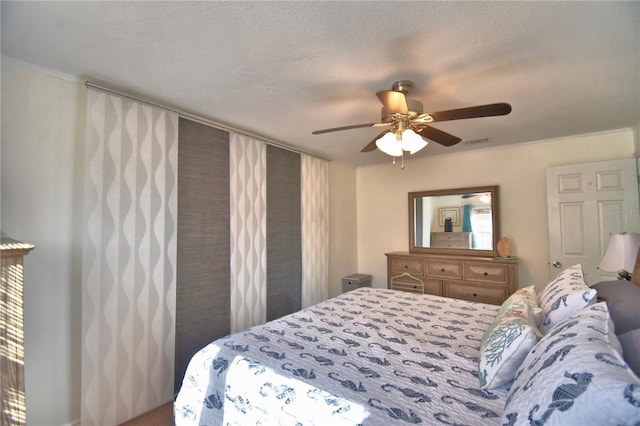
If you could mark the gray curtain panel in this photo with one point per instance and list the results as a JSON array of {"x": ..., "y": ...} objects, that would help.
[
  {"x": 284, "y": 256},
  {"x": 202, "y": 301}
]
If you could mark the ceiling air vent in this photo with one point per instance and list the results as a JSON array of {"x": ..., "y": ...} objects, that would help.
[{"x": 477, "y": 141}]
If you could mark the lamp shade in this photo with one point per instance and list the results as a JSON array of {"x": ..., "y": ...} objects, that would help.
[
  {"x": 621, "y": 252},
  {"x": 390, "y": 145},
  {"x": 393, "y": 145},
  {"x": 412, "y": 142}
]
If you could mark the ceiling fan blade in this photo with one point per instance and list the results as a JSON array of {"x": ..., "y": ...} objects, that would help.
[
  {"x": 472, "y": 112},
  {"x": 394, "y": 102},
  {"x": 335, "y": 129},
  {"x": 372, "y": 145},
  {"x": 438, "y": 136}
]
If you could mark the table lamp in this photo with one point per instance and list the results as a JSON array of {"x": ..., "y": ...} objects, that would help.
[{"x": 621, "y": 254}]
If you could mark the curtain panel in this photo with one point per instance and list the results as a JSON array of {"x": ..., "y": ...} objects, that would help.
[
  {"x": 248, "y": 209},
  {"x": 129, "y": 259},
  {"x": 284, "y": 257},
  {"x": 203, "y": 253},
  {"x": 314, "y": 183}
]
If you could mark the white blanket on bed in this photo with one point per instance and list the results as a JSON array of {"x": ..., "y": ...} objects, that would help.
[{"x": 369, "y": 356}]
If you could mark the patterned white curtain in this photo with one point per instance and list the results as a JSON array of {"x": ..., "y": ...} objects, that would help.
[
  {"x": 129, "y": 259},
  {"x": 248, "y": 161},
  {"x": 314, "y": 186}
]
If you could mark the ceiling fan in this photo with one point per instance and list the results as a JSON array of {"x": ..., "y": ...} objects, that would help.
[{"x": 407, "y": 122}]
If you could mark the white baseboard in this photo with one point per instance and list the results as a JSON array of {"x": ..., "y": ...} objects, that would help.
[{"x": 73, "y": 423}]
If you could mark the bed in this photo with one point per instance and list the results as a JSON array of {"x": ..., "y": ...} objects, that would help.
[{"x": 378, "y": 356}]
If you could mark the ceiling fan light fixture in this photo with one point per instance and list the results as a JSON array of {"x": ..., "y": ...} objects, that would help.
[
  {"x": 412, "y": 142},
  {"x": 394, "y": 144},
  {"x": 390, "y": 145}
]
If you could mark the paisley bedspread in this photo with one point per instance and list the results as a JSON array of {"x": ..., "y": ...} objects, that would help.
[{"x": 370, "y": 356}]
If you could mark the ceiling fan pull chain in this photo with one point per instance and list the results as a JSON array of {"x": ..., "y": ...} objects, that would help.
[{"x": 401, "y": 160}]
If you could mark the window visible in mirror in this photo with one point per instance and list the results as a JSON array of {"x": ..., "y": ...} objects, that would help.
[{"x": 482, "y": 228}]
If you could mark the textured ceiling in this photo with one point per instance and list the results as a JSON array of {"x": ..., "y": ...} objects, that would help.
[{"x": 284, "y": 69}]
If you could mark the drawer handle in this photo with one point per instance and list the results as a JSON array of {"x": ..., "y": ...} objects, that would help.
[
  {"x": 486, "y": 273},
  {"x": 475, "y": 294},
  {"x": 406, "y": 266},
  {"x": 442, "y": 270}
]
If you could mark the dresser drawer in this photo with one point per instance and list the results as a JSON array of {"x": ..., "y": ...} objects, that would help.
[
  {"x": 451, "y": 240},
  {"x": 485, "y": 273},
  {"x": 475, "y": 293},
  {"x": 412, "y": 266},
  {"x": 444, "y": 269},
  {"x": 411, "y": 287},
  {"x": 432, "y": 287},
  {"x": 420, "y": 285}
]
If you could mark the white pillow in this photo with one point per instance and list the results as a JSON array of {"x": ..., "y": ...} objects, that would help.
[
  {"x": 564, "y": 296},
  {"x": 574, "y": 376},
  {"x": 520, "y": 299},
  {"x": 508, "y": 340}
]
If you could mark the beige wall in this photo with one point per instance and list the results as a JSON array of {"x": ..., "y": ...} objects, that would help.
[
  {"x": 520, "y": 173},
  {"x": 41, "y": 161}
]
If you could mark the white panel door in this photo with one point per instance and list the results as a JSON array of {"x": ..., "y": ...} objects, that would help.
[{"x": 585, "y": 202}]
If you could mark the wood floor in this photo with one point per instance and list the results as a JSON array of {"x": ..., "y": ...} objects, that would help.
[{"x": 161, "y": 416}]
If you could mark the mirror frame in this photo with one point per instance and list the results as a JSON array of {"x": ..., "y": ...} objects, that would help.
[{"x": 495, "y": 217}]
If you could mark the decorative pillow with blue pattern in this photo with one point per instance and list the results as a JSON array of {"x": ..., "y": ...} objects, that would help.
[
  {"x": 573, "y": 376},
  {"x": 508, "y": 340},
  {"x": 564, "y": 296}
]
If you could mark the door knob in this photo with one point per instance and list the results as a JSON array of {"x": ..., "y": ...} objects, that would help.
[{"x": 556, "y": 264}]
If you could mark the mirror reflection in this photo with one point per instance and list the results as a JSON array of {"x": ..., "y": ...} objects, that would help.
[{"x": 456, "y": 219}]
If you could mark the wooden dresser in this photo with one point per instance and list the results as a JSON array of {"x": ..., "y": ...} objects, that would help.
[
  {"x": 451, "y": 240},
  {"x": 480, "y": 279}
]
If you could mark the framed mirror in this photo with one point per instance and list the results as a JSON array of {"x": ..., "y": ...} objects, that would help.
[{"x": 455, "y": 221}]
